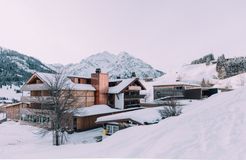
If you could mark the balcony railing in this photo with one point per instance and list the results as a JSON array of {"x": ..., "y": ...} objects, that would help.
[
  {"x": 36, "y": 99},
  {"x": 134, "y": 96}
]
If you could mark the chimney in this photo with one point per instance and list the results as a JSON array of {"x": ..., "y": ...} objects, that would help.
[
  {"x": 98, "y": 70},
  {"x": 133, "y": 74},
  {"x": 100, "y": 82}
]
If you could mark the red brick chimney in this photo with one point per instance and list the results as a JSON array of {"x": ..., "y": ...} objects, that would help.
[{"x": 100, "y": 82}]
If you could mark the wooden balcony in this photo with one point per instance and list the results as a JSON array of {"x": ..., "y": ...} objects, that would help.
[
  {"x": 34, "y": 87},
  {"x": 36, "y": 99},
  {"x": 131, "y": 97}
]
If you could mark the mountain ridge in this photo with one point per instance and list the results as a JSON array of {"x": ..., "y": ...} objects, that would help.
[{"x": 116, "y": 65}]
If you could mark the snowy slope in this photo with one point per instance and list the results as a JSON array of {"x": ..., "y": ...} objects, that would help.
[
  {"x": 209, "y": 129},
  {"x": 122, "y": 65},
  {"x": 194, "y": 74},
  {"x": 10, "y": 92}
]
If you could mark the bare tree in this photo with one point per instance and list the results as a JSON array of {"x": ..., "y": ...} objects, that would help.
[{"x": 61, "y": 103}]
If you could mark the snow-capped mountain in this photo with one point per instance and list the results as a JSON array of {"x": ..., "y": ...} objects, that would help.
[
  {"x": 121, "y": 65},
  {"x": 16, "y": 68}
]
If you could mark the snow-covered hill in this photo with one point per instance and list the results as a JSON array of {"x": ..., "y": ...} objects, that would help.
[
  {"x": 121, "y": 65},
  {"x": 210, "y": 129},
  {"x": 195, "y": 73}
]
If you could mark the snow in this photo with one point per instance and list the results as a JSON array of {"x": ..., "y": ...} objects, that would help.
[
  {"x": 194, "y": 74},
  {"x": 123, "y": 84},
  {"x": 231, "y": 82},
  {"x": 85, "y": 87},
  {"x": 178, "y": 84},
  {"x": 24, "y": 138},
  {"x": 94, "y": 110},
  {"x": 210, "y": 129},
  {"x": 122, "y": 64},
  {"x": 10, "y": 92},
  {"x": 142, "y": 116},
  {"x": 49, "y": 78}
]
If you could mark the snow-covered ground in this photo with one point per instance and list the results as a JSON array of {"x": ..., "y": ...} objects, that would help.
[
  {"x": 10, "y": 92},
  {"x": 210, "y": 129},
  {"x": 28, "y": 139}
]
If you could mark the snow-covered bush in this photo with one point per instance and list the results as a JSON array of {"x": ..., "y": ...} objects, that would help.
[{"x": 170, "y": 110}]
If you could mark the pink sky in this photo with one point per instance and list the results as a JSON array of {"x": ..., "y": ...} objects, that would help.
[{"x": 163, "y": 33}]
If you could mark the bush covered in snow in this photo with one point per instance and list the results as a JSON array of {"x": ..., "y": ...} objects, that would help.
[{"x": 171, "y": 109}]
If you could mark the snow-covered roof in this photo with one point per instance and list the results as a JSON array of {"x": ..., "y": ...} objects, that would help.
[
  {"x": 115, "y": 80},
  {"x": 77, "y": 76},
  {"x": 34, "y": 87},
  {"x": 142, "y": 116},
  {"x": 94, "y": 110},
  {"x": 177, "y": 84},
  {"x": 122, "y": 85},
  {"x": 49, "y": 78},
  {"x": 45, "y": 77},
  {"x": 87, "y": 87},
  {"x": 10, "y": 105}
]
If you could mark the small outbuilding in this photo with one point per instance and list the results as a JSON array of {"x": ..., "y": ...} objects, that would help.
[{"x": 116, "y": 122}]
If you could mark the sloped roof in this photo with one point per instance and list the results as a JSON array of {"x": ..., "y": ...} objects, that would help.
[
  {"x": 177, "y": 84},
  {"x": 94, "y": 110},
  {"x": 48, "y": 78},
  {"x": 142, "y": 116},
  {"x": 122, "y": 85}
]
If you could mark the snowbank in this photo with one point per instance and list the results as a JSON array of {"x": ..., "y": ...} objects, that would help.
[{"x": 209, "y": 129}]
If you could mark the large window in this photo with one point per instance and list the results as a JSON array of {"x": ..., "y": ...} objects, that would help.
[
  {"x": 35, "y": 118},
  {"x": 111, "y": 129}
]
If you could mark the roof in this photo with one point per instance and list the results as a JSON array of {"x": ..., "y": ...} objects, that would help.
[
  {"x": 142, "y": 116},
  {"x": 77, "y": 76},
  {"x": 177, "y": 84},
  {"x": 12, "y": 104},
  {"x": 115, "y": 80},
  {"x": 122, "y": 85},
  {"x": 94, "y": 110},
  {"x": 49, "y": 78}
]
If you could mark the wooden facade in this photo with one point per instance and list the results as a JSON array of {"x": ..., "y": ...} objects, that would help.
[
  {"x": 13, "y": 110},
  {"x": 89, "y": 122}
]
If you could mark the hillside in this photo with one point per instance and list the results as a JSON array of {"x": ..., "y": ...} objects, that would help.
[
  {"x": 16, "y": 68},
  {"x": 195, "y": 73},
  {"x": 210, "y": 129},
  {"x": 121, "y": 65}
]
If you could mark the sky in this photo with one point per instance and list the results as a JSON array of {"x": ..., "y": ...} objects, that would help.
[{"x": 163, "y": 33}]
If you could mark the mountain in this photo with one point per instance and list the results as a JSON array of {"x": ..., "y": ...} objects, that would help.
[
  {"x": 16, "y": 68},
  {"x": 121, "y": 65}
]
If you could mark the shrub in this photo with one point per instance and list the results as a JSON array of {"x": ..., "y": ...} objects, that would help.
[{"x": 170, "y": 110}]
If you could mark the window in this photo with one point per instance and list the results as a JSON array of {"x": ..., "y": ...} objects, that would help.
[
  {"x": 112, "y": 129},
  {"x": 35, "y": 118},
  {"x": 179, "y": 88}
]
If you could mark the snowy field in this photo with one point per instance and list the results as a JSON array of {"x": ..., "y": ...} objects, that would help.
[{"x": 209, "y": 129}]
